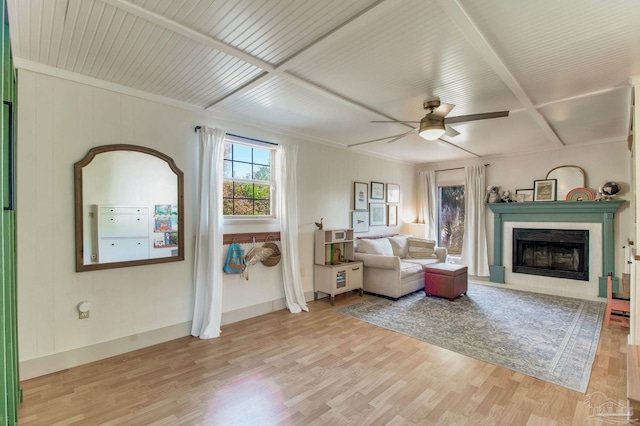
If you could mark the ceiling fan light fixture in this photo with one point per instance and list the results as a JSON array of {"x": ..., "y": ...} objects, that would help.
[{"x": 431, "y": 129}]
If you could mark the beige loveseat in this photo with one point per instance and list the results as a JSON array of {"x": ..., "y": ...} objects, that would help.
[{"x": 391, "y": 269}]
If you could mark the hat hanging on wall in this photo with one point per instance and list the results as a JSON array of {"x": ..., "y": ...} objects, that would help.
[{"x": 275, "y": 257}]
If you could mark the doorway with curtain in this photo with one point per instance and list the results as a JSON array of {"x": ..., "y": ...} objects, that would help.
[{"x": 451, "y": 219}]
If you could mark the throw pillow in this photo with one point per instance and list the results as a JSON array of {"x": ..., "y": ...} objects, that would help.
[
  {"x": 421, "y": 249},
  {"x": 400, "y": 245},
  {"x": 380, "y": 246}
]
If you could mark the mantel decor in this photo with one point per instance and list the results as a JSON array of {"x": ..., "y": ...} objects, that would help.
[
  {"x": 602, "y": 212},
  {"x": 544, "y": 190}
]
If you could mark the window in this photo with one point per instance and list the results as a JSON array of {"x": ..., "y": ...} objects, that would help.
[
  {"x": 248, "y": 186},
  {"x": 451, "y": 218}
]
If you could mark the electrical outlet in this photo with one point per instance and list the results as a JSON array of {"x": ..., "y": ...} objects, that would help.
[
  {"x": 83, "y": 315},
  {"x": 301, "y": 272}
]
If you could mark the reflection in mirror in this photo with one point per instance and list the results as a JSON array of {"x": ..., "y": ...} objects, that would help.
[
  {"x": 568, "y": 177},
  {"x": 129, "y": 208}
]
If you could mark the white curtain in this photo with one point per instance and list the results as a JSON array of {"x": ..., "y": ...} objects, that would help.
[
  {"x": 207, "y": 311},
  {"x": 428, "y": 203},
  {"x": 474, "y": 248},
  {"x": 286, "y": 160}
]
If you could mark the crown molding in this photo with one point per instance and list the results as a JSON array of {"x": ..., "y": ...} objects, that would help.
[{"x": 24, "y": 64}]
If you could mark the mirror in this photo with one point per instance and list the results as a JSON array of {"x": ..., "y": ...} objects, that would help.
[
  {"x": 129, "y": 208},
  {"x": 568, "y": 177}
]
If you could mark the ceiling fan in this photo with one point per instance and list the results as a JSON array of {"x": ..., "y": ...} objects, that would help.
[{"x": 435, "y": 124}]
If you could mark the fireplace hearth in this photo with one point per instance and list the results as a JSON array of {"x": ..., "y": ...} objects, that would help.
[{"x": 561, "y": 253}]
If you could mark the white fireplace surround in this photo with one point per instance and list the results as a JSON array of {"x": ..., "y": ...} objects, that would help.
[{"x": 552, "y": 285}]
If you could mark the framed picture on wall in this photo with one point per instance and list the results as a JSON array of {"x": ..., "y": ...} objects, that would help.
[
  {"x": 360, "y": 196},
  {"x": 377, "y": 214},
  {"x": 393, "y": 193},
  {"x": 392, "y": 215},
  {"x": 162, "y": 209},
  {"x": 360, "y": 221},
  {"x": 544, "y": 190},
  {"x": 377, "y": 191}
]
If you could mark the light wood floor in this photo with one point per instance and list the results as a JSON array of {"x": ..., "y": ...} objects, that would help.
[{"x": 312, "y": 368}]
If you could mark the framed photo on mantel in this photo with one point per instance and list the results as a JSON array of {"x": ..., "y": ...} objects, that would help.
[
  {"x": 544, "y": 190},
  {"x": 524, "y": 195}
]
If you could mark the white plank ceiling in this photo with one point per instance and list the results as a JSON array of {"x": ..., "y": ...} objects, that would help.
[{"x": 325, "y": 69}]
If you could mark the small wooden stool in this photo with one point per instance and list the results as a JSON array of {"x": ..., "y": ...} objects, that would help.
[{"x": 445, "y": 280}]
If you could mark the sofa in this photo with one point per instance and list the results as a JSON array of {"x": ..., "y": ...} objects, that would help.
[{"x": 394, "y": 265}]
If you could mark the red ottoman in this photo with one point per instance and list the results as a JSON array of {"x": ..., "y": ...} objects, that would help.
[{"x": 445, "y": 280}]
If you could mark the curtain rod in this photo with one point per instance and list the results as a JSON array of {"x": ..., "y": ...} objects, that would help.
[
  {"x": 457, "y": 168},
  {"x": 242, "y": 137}
]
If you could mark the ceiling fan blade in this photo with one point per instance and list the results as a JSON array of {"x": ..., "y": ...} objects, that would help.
[
  {"x": 443, "y": 110},
  {"x": 402, "y": 136},
  {"x": 394, "y": 121},
  {"x": 392, "y": 137},
  {"x": 474, "y": 117},
  {"x": 450, "y": 131}
]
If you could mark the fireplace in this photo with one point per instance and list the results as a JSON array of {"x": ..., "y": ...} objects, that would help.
[
  {"x": 561, "y": 253},
  {"x": 596, "y": 216}
]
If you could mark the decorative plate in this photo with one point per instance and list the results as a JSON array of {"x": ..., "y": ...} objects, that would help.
[{"x": 581, "y": 194}]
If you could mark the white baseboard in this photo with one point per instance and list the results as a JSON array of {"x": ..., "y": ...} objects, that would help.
[
  {"x": 61, "y": 361},
  {"x": 309, "y": 296},
  {"x": 84, "y": 355},
  {"x": 253, "y": 311}
]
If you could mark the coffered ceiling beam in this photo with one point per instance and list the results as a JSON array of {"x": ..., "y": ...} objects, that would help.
[
  {"x": 363, "y": 18},
  {"x": 476, "y": 38},
  {"x": 473, "y": 154},
  {"x": 280, "y": 70},
  {"x": 582, "y": 96},
  {"x": 189, "y": 33}
]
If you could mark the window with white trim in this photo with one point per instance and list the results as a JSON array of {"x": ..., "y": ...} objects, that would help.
[{"x": 249, "y": 184}]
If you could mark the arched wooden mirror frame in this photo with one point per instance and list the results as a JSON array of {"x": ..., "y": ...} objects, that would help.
[
  {"x": 79, "y": 204},
  {"x": 568, "y": 177}
]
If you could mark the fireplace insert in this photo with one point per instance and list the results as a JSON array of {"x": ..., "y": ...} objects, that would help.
[{"x": 561, "y": 253}]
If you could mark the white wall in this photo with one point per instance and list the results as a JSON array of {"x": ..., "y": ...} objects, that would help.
[
  {"x": 601, "y": 163},
  {"x": 58, "y": 122}
]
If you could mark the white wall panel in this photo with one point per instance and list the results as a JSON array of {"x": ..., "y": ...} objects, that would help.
[
  {"x": 44, "y": 226},
  {"x": 59, "y": 122},
  {"x": 29, "y": 216}
]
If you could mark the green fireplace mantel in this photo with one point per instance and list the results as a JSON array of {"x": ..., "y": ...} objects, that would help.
[{"x": 602, "y": 212}]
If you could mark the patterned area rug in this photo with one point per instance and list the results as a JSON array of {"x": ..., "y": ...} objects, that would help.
[{"x": 551, "y": 338}]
